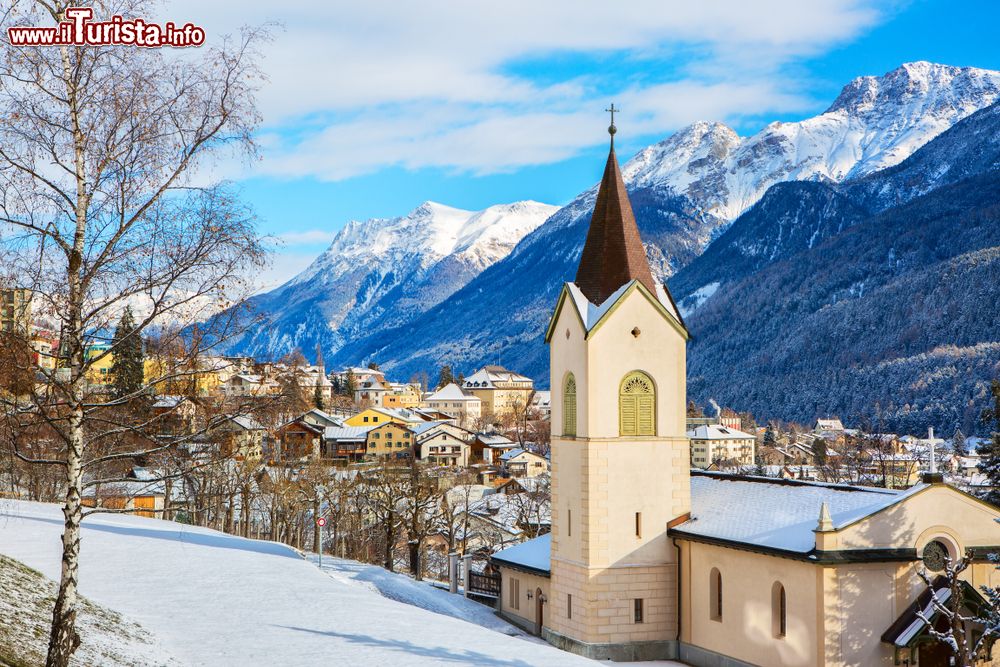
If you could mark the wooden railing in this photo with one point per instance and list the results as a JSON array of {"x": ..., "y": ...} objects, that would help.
[{"x": 484, "y": 584}]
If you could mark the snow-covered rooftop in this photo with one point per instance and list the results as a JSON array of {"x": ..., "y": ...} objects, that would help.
[
  {"x": 591, "y": 313},
  {"x": 717, "y": 432},
  {"x": 346, "y": 432},
  {"x": 535, "y": 554},
  {"x": 776, "y": 514},
  {"x": 451, "y": 392}
]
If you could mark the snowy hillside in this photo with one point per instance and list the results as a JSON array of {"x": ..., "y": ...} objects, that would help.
[
  {"x": 215, "y": 599},
  {"x": 685, "y": 192},
  {"x": 381, "y": 268}
]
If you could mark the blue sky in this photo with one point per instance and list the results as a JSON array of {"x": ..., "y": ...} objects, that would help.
[{"x": 373, "y": 108}]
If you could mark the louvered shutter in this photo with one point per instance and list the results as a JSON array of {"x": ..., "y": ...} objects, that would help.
[
  {"x": 646, "y": 426},
  {"x": 569, "y": 413},
  {"x": 628, "y": 415}
]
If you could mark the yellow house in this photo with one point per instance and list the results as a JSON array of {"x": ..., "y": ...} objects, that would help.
[
  {"x": 649, "y": 560},
  {"x": 390, "y": 440},
  {"x": 401, "y": 396},
  {"x": 168, "y": 375},
  {"x": 99, "y": 373},
  {"x": 377, "y": 416},
  {"x": 501, "y": 391}
]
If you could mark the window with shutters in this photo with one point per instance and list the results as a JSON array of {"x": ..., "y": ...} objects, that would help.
[
  {"x": 569, "y": 406},
  {"x": 637, "y": 405}
]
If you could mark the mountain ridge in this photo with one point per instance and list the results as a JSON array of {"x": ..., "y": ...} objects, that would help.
[{"x": 681, "y": 206}]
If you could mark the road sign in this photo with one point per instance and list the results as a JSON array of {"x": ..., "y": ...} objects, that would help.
[{"x": 321, "y": 522}]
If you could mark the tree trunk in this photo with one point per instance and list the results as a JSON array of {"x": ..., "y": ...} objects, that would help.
[
  {"x": 389, "y": 539},
  {"x": 63, "y": 638},
  {"x": 414, "y": 548}
]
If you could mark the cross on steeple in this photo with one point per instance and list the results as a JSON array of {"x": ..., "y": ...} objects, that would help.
[{"x": 611, "y": 128}]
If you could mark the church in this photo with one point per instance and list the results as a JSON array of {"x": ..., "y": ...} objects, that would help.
[{"x": 648, "y": 559}]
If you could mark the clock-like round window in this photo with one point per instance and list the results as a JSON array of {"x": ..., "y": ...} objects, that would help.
[{"x": 935, "y": 556}]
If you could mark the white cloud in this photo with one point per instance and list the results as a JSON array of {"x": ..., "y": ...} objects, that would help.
[
  {"x": 285, "y": 265},
  {"x": 359, "y": 86}
]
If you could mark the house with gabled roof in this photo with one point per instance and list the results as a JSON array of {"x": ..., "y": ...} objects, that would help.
[{"x": 463, "y": 405}]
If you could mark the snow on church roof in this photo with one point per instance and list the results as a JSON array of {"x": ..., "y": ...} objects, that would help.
[
  {"x": 591, "y": 314},
  {"x": 534, "y": 554},
  {"x": 776, "y": 514}
]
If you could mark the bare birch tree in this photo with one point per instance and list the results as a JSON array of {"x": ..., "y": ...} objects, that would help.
[
  {"x": 970, "y": 632},
  {"x": 102, "y": 150}
]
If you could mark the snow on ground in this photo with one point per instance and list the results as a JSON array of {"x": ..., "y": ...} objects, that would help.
[
  {"x": 106, "y": 637},
  {"x": 216, "y": 599},
  {"x": 423, "y": 594}
]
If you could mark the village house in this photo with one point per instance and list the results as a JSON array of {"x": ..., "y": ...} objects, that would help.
[
  {"x": 400, "y": 395},
  {"x": 541, "y": 402},
  {"x": 390, "y": 440},
  {"x": 502, "y": 392},
  {"x": 239, "y": 437},
  {"x": 359, "y": 374},
  {"x": 443, "y": 443},
  {"x": 298, "y": 440},
  {"x": 489, "y": 447},
  {"x": 711, "y": 444},
  {"x": 374, "y": 416},
  {"x": 370, "y": 392},
  {"x": 464, "y": 406},
  {"x": 649, "y": 560},
  {"x": 143, "y": 493},
  {"x": 345, "y": 443},
  {"x": 15, "y": 309},
  {"x": 518, "y": 462}
]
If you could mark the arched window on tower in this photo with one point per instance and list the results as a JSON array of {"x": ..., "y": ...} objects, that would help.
[
  {"x": 637, "y": 405},
  {"x": 779, "y": 610},
  {"x": 569, "y": 406},
  {"x": 715, "y": 594}
]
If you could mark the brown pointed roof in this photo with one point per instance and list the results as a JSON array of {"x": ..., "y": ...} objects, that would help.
[{"x": 613, "y": 254}]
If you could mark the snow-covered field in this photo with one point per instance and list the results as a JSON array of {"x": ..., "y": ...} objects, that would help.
[{"x": 216, "y": 599}]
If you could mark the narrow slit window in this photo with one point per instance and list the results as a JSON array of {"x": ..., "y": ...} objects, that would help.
[
  {"x": 569, "y": 523},
  {"x": 638, "y": 524},
  {"x": 638, "y": 610},
  {"x": 569, "y": 605},
  {"x": 715, "y": 593}
]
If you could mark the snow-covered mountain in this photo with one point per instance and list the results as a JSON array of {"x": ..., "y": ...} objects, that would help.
[
  {"x": 875, "y": 123},
  {"x": 384, "y": 271},
  {"x": 686, "y": 191}
]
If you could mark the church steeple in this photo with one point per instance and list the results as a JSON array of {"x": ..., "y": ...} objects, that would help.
[{"x": 613, "y": 254}]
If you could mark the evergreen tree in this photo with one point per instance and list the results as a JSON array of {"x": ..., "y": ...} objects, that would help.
[
  {"x": 958, "y": 443},
  {"x": 372, "y": 366},
  {"x": 127, "y": 368},
  {"x": 445, "y": 377},
  {"x": 350, "y": 383},
  {"x": 693, "y": 410},
  {"x": 989, "y": 450},
  {"x": 319, "y": 356},
  {"x": 460, "y": 380},
  {"x": 819, "y": 451},
  {"x": 318, "y": 397},
  {"x": 770, "y": 436}
]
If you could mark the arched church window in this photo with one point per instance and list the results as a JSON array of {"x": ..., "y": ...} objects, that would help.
[
  {"x": 715, "y": 594},
  {"x": 637, "y": 405},
  {"x": 779, "y": 610},
  {"x": 569, "y": 406}
]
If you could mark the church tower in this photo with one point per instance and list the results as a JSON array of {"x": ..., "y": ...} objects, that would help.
[{"x": 620, "y": 457}]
